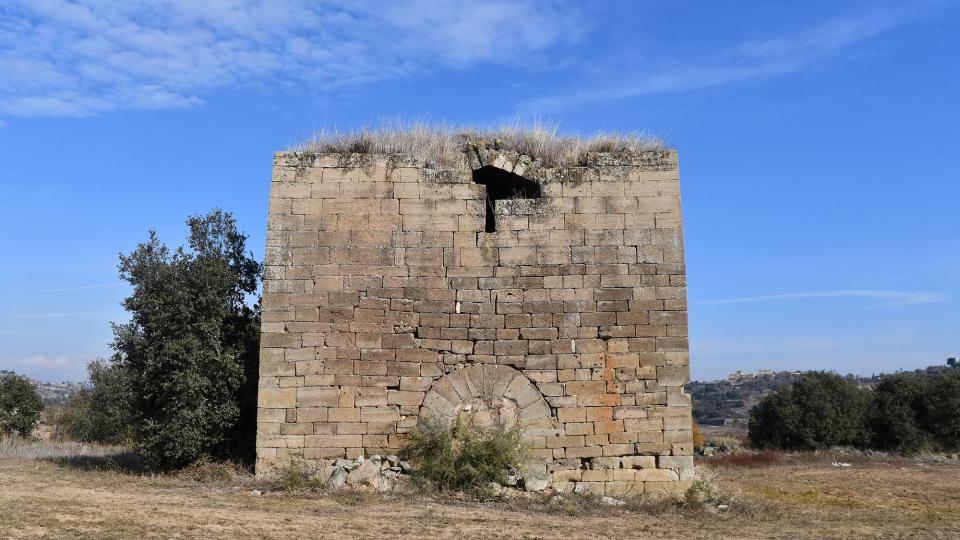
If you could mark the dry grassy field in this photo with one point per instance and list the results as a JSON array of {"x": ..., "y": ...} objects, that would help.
[{"x": 798, "y": 498}]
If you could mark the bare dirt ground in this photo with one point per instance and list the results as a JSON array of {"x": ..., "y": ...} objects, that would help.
[{"x": 40, "y": 498}]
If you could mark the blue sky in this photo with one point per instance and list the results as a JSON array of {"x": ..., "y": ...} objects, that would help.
[{"x": 818, "y": 145}]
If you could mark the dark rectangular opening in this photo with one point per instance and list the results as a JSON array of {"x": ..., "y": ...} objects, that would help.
[{"x": 503, "y": 185}]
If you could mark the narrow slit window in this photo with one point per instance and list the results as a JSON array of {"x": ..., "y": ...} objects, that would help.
[{"x": 503, "y": 185}]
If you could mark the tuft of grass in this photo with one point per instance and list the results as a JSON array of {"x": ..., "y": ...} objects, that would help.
[
  {"x": 296, "y": 477},
  {"x": 74, "y": 455},
  {"x": 464, "y": 456},
  {"x": 704, "y": 492},
  {"x": 206, "y": 470},
  {"x": 700, "y": 491},
  {"x": 19, "y": 448},
  {"x": 445, "y": 145}
]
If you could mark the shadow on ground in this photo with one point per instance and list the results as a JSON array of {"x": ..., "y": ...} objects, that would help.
[{"x": 125, "y": 462}]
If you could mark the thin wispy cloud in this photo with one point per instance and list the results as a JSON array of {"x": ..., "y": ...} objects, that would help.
[
  {"x": 85, "y": 57},
  {"x": 40, "y": 361},
  {"x": 83, "y": 288},
  {"x": 765, "y": 345},
  {"x": 68, "y": 290},
  {"x": 18, "y": 331},
  {"x": 745, "y": 62},
  {"x": 58, "y": 315},
  {"x": 894, "y": 297}
]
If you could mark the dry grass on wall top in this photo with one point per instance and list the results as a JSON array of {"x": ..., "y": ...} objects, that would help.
[{"x": 443, "y": 145}]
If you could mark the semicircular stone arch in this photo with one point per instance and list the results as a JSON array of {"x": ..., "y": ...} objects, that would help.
[{"x": 493, "y": 393}]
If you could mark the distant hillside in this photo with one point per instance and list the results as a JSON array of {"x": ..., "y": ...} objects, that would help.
[
  {"x": 51, "y": 393},
  {"x": 728, "y": 402}
]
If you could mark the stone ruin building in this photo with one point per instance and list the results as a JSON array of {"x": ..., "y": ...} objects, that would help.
[{"x": 552, "y": 296}]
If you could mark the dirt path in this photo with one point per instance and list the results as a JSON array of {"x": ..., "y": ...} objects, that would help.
[{"x": 40, "y": 499}]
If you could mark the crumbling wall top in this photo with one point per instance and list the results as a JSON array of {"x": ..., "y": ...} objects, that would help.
[
  {"x": 514, "y": 148},
  {"x": 473, "y": 159}
]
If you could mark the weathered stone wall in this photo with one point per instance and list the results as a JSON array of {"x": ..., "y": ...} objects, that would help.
[{"x": 385, "y": 300}]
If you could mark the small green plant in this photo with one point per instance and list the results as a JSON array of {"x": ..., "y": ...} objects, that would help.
[
  {"x": 20, "y": 405},
  {"x": 705, "y": 495},
  {"x": 464, "y": 455},
  {"x": 700, "y": 492}
]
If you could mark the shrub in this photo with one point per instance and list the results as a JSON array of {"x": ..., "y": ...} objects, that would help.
[
  {"x": 464, "y": 456},
  {"x": 190, "y": 348},
  {"x": 906, "y": 412},
  {"x": 20, "y": 405},
  {"x": 100, "y": 411},
  {"x": 898, "y": 412},
  {"x": 68, "y": 418},
  {"x": 701, "y": 492},
  {"x": 917, "y": 411},
  {"x": 819, "y": 410},
  {"x": 942, "y": 420}
]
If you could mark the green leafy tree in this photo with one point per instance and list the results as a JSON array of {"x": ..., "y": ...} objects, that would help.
[
  {"x": 20, "y": 405},
  {"x": 819, "y": 410},
  {"x": 190, "y": 348}
]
